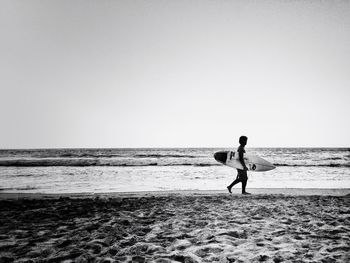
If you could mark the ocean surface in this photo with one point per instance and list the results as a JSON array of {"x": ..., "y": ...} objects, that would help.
[{"x": 129, "y": 170}]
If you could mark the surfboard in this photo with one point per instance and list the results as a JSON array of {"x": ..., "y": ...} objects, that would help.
[{"x": 253, "y": 162}]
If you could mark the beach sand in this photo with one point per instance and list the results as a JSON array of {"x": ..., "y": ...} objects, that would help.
[{"x": 175, "y": 227}]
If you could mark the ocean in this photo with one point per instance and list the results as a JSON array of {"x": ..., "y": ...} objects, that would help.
[{"x": 132, "y": 170}]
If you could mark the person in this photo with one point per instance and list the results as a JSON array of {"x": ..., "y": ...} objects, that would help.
[{"x": 242, "y": 176}]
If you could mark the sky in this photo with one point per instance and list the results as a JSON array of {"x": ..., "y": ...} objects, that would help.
[{"x": 191, "y": 73}]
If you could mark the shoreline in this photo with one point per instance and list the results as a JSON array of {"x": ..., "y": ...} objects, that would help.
[{"x": 236, "y": 191}]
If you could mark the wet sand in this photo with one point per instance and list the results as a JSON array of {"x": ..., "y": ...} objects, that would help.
[{"x": 175, "y": 227}]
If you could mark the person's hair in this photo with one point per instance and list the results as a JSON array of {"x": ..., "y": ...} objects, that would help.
[{"x": 243, "y": 139}]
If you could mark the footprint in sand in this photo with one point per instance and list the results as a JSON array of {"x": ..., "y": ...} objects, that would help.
[{"x": 206, "y": 251}]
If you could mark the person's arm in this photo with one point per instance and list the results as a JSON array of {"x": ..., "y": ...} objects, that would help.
[{"x": 241, "y": 159}]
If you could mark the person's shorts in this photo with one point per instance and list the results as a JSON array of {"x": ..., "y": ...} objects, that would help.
[{"x": 242, "y": 174}]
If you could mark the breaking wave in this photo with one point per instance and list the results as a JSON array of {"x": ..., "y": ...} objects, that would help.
[
  {"x": 163, "y": 156},
  {"x": 90, "y": 162},
  {"x": 133, "y": 163},
  {"x": 314, "y": 165}
]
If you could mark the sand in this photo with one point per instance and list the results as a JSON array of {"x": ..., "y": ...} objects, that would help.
[{"x": 172, "y": 227}]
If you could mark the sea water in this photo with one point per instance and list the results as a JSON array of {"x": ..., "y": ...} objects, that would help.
[{"x": 129, "y": 170}]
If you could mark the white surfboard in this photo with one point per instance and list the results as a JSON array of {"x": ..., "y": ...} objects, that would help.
[{"x": 253, "y": 162}]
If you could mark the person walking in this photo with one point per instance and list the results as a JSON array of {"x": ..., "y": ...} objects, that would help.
[{"x": 242, "y": 176}]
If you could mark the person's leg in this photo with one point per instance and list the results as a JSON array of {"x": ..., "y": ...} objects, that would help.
[
  {"x": 234, "y": 182},
  {"x": 244, "y": 179},
  {"x": 244, "y": 184}
]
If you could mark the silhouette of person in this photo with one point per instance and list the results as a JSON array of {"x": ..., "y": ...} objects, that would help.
[{"x": 242, "y": 176}]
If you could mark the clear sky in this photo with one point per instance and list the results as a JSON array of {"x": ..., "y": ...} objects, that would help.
[{"x": 174, "y": 73}]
